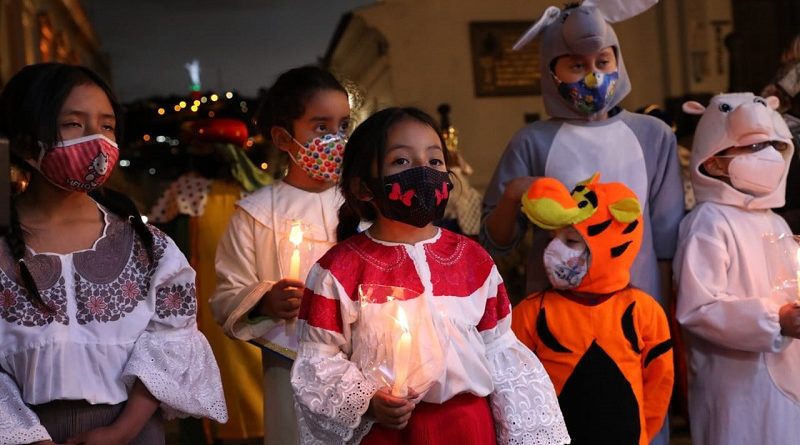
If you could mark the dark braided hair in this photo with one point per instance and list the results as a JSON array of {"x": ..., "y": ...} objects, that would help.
[
  {"x": 366, "y": 149},
  {"x": 29, "y": 108}
]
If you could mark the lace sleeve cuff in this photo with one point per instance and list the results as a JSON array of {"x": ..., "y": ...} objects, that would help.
[
  {"x": 524, "y": 403},
  {"x": 17, "y": 434},
  {"x": 331, "y": 397},
  {"x": 179, "y": 369},
  {"x": 18, "y": 424}
]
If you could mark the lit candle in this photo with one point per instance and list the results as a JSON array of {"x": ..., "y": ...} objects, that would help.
[
  {"x": 402, "y": 355},
  {"x": 295, "y": 237}
]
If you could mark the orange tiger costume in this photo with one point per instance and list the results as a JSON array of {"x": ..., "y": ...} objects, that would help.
[{"x": 609, "y": 356}]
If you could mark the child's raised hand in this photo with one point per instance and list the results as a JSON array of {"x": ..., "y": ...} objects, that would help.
[
  {"x": 390, "y": 411},
  {"x": 789, "y": 318},
  {"x": 283, "y": 300},
  {"x": 516, "y": 188}
]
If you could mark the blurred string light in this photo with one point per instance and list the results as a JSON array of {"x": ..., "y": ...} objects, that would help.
[
  {"x": 182, "y": 104},
  {"x": 214, "y": 98},
  {"x": 203, "y": 99},
  {"x": 264, "y": 166},
  {"x": 161, "y": 111},
  {"x": 229, "y": 95},
  {"x": 177, "y": 108},
  {"x": 146, "y": 138},
  {"x": 124, "y": 163}
]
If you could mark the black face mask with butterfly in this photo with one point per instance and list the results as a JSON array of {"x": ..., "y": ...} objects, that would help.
[{"x": 417, "y": 196}]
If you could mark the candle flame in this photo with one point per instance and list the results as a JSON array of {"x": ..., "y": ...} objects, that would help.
[
  {"x": 401, "y": 319},
  {"x": 296, "y": 234}
]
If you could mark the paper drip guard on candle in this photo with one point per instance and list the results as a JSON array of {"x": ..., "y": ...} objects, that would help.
[{"x": 797, "y": 265}]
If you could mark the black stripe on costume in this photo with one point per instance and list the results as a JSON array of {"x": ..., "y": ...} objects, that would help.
[
  {"x": 596, "y": 229},
  {"x": 658, "y": 350},
  {"x": 629, "y": 330},
  {"x": 592, "y": 197},
  {"x": 619, "y": 250},
  {"x": 631, "y": 227},
  {"x": 546, "y": 336}
]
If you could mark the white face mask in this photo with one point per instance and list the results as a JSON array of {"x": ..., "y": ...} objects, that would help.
[
  {"x": 564, "y": 265},
  {"x": 757, "y": 173}
]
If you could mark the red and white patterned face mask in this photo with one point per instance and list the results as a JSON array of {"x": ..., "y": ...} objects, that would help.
[
  {"x": 81, "y": 164},
  {"x": 321, "y": 157}
]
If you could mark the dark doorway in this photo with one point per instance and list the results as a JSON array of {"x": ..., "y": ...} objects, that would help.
[{"x": 761, "y": 30}]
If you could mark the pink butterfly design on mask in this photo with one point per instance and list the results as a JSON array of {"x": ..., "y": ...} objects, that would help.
[
  {"x": 397, "y": 195},
  {"x": 442, "y": 195}
]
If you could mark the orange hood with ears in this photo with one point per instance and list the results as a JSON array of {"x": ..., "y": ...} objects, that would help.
[{"x": 608, "y": 216}]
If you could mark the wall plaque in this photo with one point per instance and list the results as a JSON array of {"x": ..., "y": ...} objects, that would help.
[{"x": 497, "y": 69}]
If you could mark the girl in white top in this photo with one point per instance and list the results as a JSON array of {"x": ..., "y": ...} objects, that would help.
[
  {"x": 97, "y": 310},
  {"x": 306, "y": 114},
  {"x": 489, "y": 388}
]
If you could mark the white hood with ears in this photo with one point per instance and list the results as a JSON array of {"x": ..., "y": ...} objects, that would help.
[{"x": 732, "y": 120}]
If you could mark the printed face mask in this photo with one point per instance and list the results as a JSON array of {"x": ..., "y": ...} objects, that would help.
[
  {"x": 590, "y": 94},
  {"x": 81, "y": 164},
  {"x": 565, "y": 266},
  {"x": 321, "y": 157},
  {"x": 757, "y": 173},
  {"x": 417, "y": 196}
]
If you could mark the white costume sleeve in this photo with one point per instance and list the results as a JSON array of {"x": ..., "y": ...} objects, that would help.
[
  {"x": 524, "y": 403},
  {"x": 18, "y": 424},
  {"x": 331, "y": 393},
  {"x": 239, "y": 287},
  {"x": 171, "y": 357},
  {"x": 707, "y": 309}
]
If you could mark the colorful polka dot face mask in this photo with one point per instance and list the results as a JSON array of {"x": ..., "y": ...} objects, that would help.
[{"x": 321, "y": 157}]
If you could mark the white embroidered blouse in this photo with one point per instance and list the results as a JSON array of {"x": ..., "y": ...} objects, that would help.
[
  {"x": 485, "y": 358},
  {"x": 116, "y": 317}
]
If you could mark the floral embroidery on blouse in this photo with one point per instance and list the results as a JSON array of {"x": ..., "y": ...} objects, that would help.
[
  {"x": 175, "y": 300},
  {"x": 98, "y": 302},
  {"x": 17, "y": 308}
]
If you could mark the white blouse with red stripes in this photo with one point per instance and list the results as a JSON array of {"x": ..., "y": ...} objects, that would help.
[{"x": 484, "y": 357}]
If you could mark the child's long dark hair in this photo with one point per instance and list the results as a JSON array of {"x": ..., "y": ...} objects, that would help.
[
  {"x": 29, "y": 108},
  {"x": 364, "y": 153},
  {"x": 286, "y": 99}
]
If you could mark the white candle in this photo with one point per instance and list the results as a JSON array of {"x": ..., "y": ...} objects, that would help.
[
  {"x": 295, "y": 237},
  {"x": 402, "y": 355}
]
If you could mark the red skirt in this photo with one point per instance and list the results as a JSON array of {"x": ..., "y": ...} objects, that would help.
[{"x": 464, "y": 420}]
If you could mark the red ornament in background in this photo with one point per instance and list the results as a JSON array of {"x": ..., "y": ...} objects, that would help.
[{"x": 221, "y": 130}]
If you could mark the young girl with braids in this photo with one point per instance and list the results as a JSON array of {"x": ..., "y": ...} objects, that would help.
[{"x": 97, "y": 309}]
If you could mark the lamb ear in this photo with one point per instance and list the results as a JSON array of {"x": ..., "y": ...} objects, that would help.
[
  {"x": 549, "y": 16},
  {"x": 773, "y": 102},
  {"x": 618, "y": 10},
  {"x": 693, "y": 107}
]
